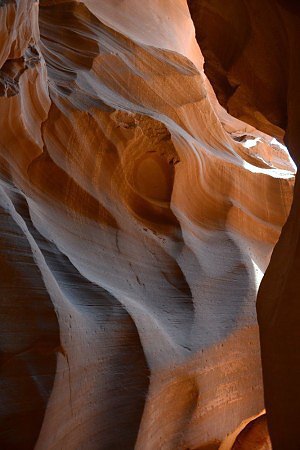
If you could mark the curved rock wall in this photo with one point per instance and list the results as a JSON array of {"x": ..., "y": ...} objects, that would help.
[
  {"x": 138, "y": 220},
  {"x": 251, "y": 55}
]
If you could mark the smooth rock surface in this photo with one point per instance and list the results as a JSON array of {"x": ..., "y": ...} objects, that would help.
[
  {"x": 137, "y": 220},
  {"x": 253, "y": 64}
]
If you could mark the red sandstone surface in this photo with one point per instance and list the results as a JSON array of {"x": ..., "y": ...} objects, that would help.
[{"x": 143, "y": 187}]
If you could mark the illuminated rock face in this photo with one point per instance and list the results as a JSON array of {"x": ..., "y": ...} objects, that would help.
[
  {"x": 254, "y": 67},
  {"x": 137, "y": 219}
]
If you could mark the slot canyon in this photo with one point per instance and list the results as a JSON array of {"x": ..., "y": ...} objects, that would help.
[{"x": 149, "y": 224}]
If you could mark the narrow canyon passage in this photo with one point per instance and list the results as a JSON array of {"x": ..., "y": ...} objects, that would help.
[
  {"x": 142, "y": 193},
  {"x": 255, "y": 72}
]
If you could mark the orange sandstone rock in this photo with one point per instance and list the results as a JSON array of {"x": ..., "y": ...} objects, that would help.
[{"x": 137, "y": 222}]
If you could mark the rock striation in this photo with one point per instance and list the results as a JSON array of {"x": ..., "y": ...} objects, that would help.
[
  {"x": 256, "y": 76},
  {"x": 137, "y": 220}
]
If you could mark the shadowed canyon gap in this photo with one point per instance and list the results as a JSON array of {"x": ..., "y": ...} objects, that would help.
[
  {"x": 142, "y": 193},
  {"x": 252, "y": 52}
]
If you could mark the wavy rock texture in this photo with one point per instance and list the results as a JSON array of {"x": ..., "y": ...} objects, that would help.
[
  {"x": 136, "y": 224},
  {"x": 255, "y": 70}
]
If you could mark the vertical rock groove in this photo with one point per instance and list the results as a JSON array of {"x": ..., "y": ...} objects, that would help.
[
  {"x": 137, "y": 219},
  {"x": 258, "y": 82}
]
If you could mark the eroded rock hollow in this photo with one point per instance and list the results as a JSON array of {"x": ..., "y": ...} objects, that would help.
[{"x": 141, "y": 198}]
